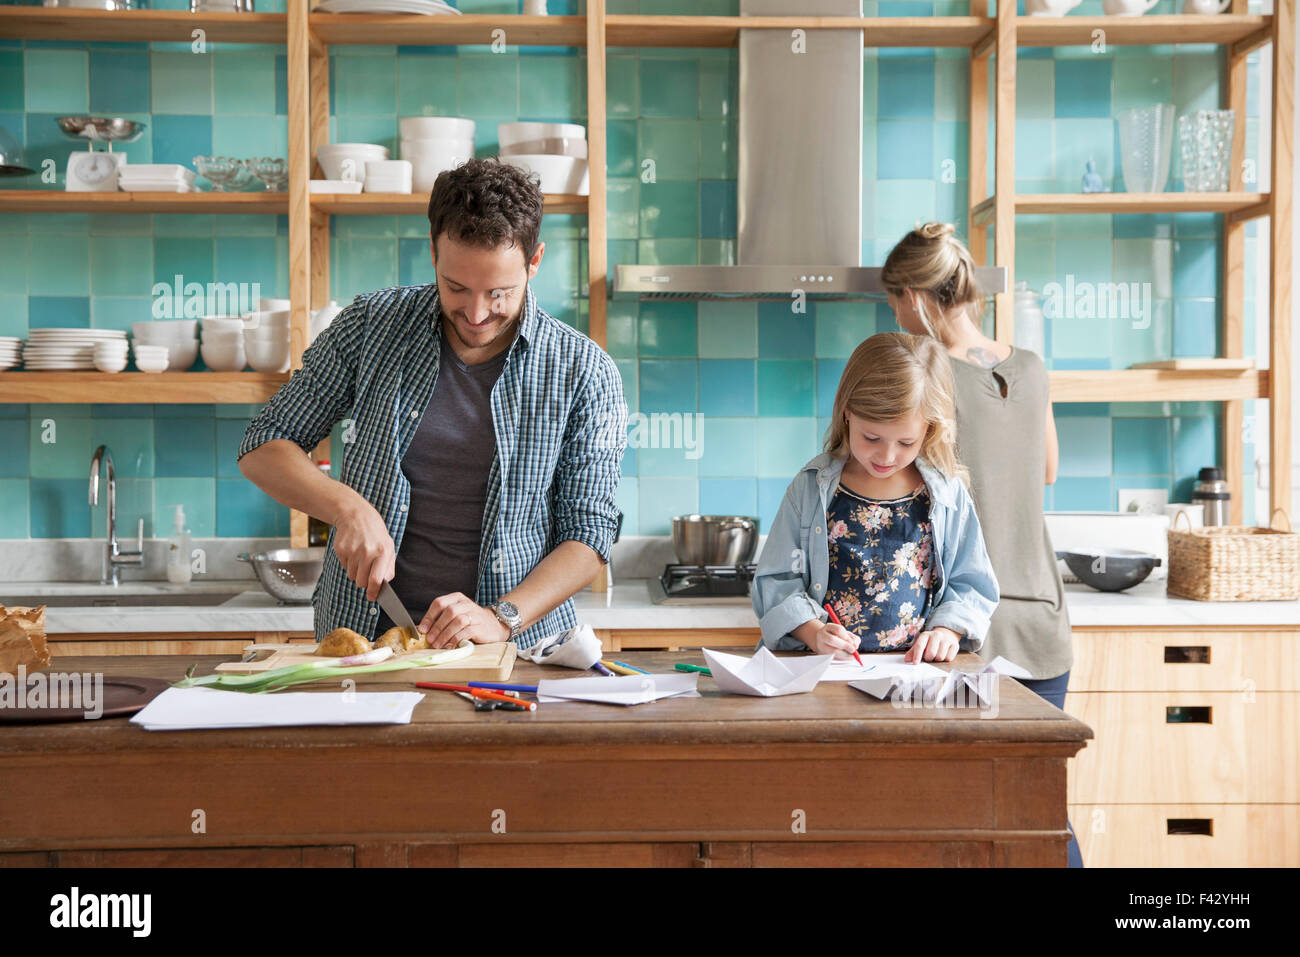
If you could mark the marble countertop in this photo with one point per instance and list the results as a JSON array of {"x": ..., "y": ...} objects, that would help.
[{"x": 628, "y": 605}]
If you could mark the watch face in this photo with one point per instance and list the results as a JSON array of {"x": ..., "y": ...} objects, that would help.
[{"x": 508, "y": 609}]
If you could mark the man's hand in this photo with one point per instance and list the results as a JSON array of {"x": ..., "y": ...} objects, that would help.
[
  {"x": 453, "y": 618},
  {"x": 365, "y": 548}
]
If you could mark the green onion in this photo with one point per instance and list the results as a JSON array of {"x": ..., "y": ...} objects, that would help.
[{"x": 320, "y": 671}]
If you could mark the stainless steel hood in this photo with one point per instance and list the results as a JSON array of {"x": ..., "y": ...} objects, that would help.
[{"x": 799, "y": 183}]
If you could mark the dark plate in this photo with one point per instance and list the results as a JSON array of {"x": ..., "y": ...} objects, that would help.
[{"x": 122, "y": 696}]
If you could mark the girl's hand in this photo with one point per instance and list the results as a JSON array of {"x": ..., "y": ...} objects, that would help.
[
  {"x": 937, "y": 644},
  {"x": 833, "y": 639}
]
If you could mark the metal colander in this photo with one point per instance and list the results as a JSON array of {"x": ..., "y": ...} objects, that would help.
[{"x": 288, "y": 574}]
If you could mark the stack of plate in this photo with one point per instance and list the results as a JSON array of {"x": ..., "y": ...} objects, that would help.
[
  {"x": 156, "y": 177},
  {"x": 51, "y": 349},
  {"x": 388, "y": 176},
  {"x": 11, "y": 351},
  {"x": 429, "y": 7}
]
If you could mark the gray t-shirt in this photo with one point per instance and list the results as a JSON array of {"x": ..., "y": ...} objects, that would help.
[{"x": 447, "y": 464}]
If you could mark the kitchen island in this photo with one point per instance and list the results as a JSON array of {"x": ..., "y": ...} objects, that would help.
[{"x": 831, "y": 777}]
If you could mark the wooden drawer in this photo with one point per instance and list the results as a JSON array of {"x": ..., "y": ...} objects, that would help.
[
  {"x": 1188, "y": 835},
  {"x": 1177, "y": 659},
  {"x": 1215, "y": 748}
]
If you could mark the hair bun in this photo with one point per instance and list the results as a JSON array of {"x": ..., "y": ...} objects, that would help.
[{"x": 936, "y": 230}]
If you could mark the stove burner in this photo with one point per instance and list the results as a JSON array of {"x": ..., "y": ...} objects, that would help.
[{"x": 707, "y": 580}]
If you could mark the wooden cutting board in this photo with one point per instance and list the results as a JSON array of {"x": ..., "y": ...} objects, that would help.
[{"x": 492, "y": 662}]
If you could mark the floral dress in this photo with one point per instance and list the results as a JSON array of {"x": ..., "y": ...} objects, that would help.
[{"x": 881, "y": 566}]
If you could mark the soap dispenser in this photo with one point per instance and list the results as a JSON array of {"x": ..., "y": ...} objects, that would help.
[{"x": 178, "y": 550}]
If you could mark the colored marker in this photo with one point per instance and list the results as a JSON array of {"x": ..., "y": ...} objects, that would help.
[
  {"x": 617, "y": 668},
  {"x": 831, "y": 611},
  {"x": 624, "y": 664},
  {"x": 601, "y": 669},
  {"x": 496, "y": 686},
  {"x": 685, "y": 667}
]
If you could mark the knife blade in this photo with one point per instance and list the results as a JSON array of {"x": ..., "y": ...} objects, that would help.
[{"x": 394, "y": 608}]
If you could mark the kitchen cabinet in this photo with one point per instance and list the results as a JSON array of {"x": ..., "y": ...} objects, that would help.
[
  {"x": 1194, "y": 762},
  {"x": 830, "y": 777}
]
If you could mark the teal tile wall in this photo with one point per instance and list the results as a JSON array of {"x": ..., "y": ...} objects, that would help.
[{"x": 761, "y": 380}]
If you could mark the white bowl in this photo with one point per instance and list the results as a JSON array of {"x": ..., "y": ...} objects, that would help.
[
  {"x": 333, "y": 186},
  {"x": 151, "y": 363},
  {"x": 510, "y": 133},
  {"x": 181, "y": 355},
  {"x": 347, "y": 161},
  {"x": 428, "y": 159},
  {"x": 150, "y": 352},
  {"x": 224, "y": 356},
  {"x": 107, "y": 363},
  {"x": 436, "y": 128},
  {"x": 160, "y": 331},
  {"x": 558, "y": 174},
  {"x": 274, "y": 305},
  {"x": 109, "y": 348},
  {"x": 217, "y": 324},
  {"x": 547, "y": 146},
  {"x": 278, "y": 320},
  {"x": 266, "y": 355}
]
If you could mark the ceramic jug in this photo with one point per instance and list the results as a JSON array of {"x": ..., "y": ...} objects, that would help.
[{"x": 1127, "y": 8}]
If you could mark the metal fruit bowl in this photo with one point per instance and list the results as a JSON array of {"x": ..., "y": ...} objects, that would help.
[
  {"x": 288, "y": 574},
  {"x": 1110, "y": 570},
  {"x": 111, "y": 129}
]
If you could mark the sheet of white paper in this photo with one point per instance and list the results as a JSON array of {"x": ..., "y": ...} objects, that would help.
[
  {"x": 764, "y": 674},
  {"x": 621, "y": 689},
  {"x": 182, "y": 709},
  {"x": 878, "y": 666},
  {"x": 1000, "y": 666}
]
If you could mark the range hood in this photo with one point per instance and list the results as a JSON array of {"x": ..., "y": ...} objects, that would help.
[{"x": 799, "y": 182}]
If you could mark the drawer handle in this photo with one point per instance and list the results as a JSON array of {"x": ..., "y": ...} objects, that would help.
[
  {"x": 1192, "y": 715},
  {"x": 1203, "y": 826},
  {"x": 1187, "y": 654}
]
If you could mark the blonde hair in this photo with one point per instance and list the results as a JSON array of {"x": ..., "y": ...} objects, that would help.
[
  {"x": 932, "y": 260},
  {"x": 891, "y": 376}
]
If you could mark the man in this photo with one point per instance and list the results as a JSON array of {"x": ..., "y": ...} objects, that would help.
[{"x": 483, "y": 439}]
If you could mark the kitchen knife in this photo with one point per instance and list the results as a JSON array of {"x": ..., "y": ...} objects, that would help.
[{"x": 394, "y": 608}]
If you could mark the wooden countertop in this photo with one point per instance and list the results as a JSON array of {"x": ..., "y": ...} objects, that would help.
[{"x": 832, "y": 714}]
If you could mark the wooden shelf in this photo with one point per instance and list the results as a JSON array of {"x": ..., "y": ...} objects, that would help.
[
  {"x": 1239, "y": 205},
  {"x": 417, "y": 204},
  {"x": 1223, "y": 28},
  {"x": 1157, "y": 385},
  {"x": 60, "y": 201},
  {"x": 182, "y": 388},
  {"x": 687, "y": 31},
  {"x": 365, "y": 29},
  {"x": 140, "y": 26}
]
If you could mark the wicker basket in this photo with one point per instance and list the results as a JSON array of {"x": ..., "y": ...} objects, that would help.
[{"x": 1234, "y": 562}]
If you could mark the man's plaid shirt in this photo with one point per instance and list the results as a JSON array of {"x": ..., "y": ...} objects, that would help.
[{"x": 557, "y": 409}]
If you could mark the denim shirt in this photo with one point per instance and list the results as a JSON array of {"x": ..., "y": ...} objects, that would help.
[{"x": 793, "y": 571}]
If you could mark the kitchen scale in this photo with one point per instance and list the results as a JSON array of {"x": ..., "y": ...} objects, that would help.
[{"x": 97, "y": 171}]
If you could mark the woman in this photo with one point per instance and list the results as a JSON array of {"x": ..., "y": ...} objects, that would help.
[{"x": 1006, "y": 436}]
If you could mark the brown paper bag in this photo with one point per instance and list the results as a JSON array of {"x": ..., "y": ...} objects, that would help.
[{"x": 22, "y": 639}]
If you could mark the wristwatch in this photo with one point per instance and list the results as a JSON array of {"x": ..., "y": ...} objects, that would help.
[{"x": 508, "y": 614}]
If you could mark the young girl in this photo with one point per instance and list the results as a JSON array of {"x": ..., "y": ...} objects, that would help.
[{"x": 880, "y": 525}]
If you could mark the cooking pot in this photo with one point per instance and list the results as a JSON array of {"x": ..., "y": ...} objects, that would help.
[{"x": 715, "y": 539}]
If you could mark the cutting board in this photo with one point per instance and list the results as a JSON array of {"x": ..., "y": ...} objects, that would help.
[{"x": 492, "y": 662}]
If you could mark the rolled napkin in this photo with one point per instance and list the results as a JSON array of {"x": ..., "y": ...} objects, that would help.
[
  {"x": 573, "y": 648},
  {"x": 22, "y": 640}
]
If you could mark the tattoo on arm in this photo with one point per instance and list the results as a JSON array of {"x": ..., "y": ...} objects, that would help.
[{"x": 982, "y": 357}]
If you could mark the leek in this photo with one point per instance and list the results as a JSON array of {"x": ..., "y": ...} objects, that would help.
[{"x": 321, "y": 670}]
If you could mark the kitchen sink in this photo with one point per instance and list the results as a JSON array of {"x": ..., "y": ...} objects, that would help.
[{"x": 118, "y": 601}]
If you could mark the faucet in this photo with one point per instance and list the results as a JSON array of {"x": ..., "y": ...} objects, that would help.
[{"x": 114, "y": 556}]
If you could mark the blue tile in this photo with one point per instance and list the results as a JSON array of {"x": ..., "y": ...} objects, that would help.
[
  {"x": 771, "y": 492},
  {"x": 184, "y": 447},
  {"x": 230, "y": 432},
  {"x": 13, "y": 439},
  {"x": 414, "y": 262},
  {"x": 59, "y": 508},
  {"x": 14, "y": 504},
  {"x": 904, "y": 150},
  {"x": 1141, "y": 446},
  {"x": 662, "y": 498},
  {"x": 724, "y": 496},
  {"x": 905, "y": 88},
  {"x": 1082, "y": 495},
  {"x": 717, "y": 209},
  {"x": 1196, "y": 268},
  {"x": 829, "y": 372},
  {"x": 784, "y": 334},
  {"x": 245, "y": 511},
  {"x": 191, "y": 258},
  {"x": 1196, "y": 445},
  {"x": 727, "y": 387},
  {"x": 119, "y": 82},
  {"x": 1083, "y": 87},
  {"x": 785, "y": 387},
  {"x": 179, "y": 138},
  {"x": 668, "y": 385},
  {"x": 729, "y": 447},
  {"x": 53, "y": 311},
  {"x": 1196, "y": 328},
  {"x": 1085, "y": 444}
]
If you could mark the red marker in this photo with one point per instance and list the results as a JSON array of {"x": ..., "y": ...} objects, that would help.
[{"x": 835, "y": 618}]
